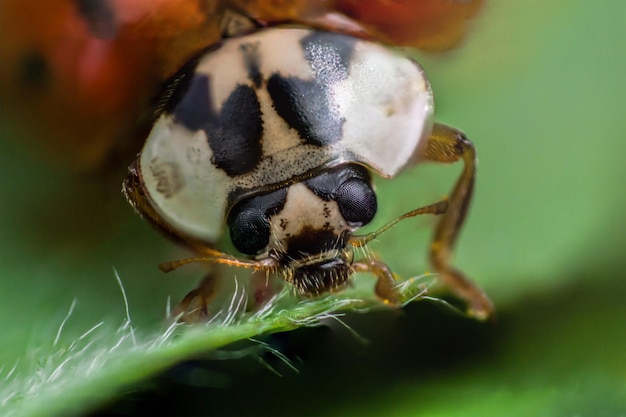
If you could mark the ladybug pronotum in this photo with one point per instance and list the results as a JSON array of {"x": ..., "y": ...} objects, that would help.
[{"x": 273, "y": 136}]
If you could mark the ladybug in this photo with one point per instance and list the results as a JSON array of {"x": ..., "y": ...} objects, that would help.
[
  {"x": 267, "y": 137},
  {"x": 273, "y": 137}
]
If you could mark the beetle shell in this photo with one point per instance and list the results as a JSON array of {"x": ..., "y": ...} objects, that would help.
[{"x": 269, "y": 109}]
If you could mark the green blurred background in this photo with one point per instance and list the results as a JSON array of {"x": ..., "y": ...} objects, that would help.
[{"x": 539, "y": 87}]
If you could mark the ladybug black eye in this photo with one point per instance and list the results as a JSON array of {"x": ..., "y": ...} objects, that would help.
[
  {"x": 357, "y": 202},
  {"x": 249, "y": 221},
  {"x": 249, "y": 230}
]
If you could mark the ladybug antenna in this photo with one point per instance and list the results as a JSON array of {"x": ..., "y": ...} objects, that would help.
[
  {"x": 223, "y": 258},
  {"x": 437, "y": 208}
]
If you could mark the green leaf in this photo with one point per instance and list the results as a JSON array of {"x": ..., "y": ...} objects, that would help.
[{"x": 72, "y": 374}]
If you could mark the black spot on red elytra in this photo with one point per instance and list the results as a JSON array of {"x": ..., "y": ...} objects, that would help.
[
  {"x": 34, "y": 71},
  {"x": 100, "y": 17}
]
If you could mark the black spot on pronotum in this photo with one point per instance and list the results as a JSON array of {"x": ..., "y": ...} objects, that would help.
[
  {"x": 234, "y": 133},
  {"x": 304, "y": 105},
  {"x": 194, "y": 108},
  {"x": 34, "y": 71},
  {"x": 235, "y": 137},
  {"x": 175, "y": 88},
  {"x": 308, "y": 105},
  {"x": 100, "y": 16},
  {"x": 252, "y": 61},
  {"x": 329, "y": 55}
]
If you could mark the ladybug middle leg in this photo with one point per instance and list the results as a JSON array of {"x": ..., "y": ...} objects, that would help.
[{"x": 447, "y": 145}]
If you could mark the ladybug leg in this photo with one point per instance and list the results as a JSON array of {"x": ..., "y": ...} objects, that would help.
[
  {"x": 194, "y": 307},
  {"x": 448, "y": 145},
  {"x": 385, "y": 285},
  {"x": 262, "y": 289}
]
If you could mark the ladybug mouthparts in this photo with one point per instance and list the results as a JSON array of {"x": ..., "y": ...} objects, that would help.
[{"x": 318, "y": 278}]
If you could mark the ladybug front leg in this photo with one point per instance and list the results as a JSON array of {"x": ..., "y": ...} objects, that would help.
[
  {"x": 448, "y": 145},
  {"x": 194, "y": 307},
  {"x": 386, "y": 285}
]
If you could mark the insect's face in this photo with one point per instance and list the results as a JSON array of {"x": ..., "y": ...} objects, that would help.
[{"x": 305, "y": 227}]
